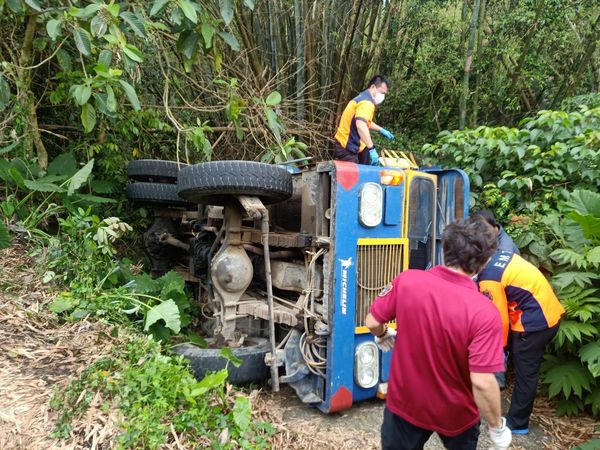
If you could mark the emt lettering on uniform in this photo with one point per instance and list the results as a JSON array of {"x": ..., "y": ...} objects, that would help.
[{"x": 502, "y": 261}]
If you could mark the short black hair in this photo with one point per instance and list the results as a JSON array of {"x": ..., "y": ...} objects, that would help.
[
  {"x": 378, "y": 80},
  {"x": 488, "y": 216},
  {"x": 468, "y": 244}
]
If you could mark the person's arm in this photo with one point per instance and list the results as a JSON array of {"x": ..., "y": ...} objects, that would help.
[
  {"x": 363, "y": 131},
  {"x": 487, "y": 397},
  {"x": 374, "y": 127},
  {"x": 374, "y": 326}
]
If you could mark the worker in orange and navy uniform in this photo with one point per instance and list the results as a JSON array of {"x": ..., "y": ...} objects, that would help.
[
  {"x": 530, "y": 310},
  {"x": 353, "y": 138}
]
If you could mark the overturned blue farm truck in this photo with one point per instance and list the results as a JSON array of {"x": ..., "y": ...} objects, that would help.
[{"x": 285, "y": 265}]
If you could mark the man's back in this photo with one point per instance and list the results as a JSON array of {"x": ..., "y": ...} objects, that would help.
[{"x": 446, "y": 330}]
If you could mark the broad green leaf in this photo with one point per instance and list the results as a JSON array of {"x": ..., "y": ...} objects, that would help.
[
  {"x": 188, "y": 9},
  {"x": 593, "y": 400},
  {"x": 4, "y": 93},
  {"x": 113, "y": 9},
  {"x": 230, "y": 40},
  {"x": 573, "y": 332},
  {"x": 229, "y": 356},
  {"x": 53, "y": 28},
  {"x": 105, "y": 58},
  {"x": 131, "y": 94},
  {"x": 17, "y": 177},
  {"x": 593, "y": 256},
  {"x": 582, "y": 279},
  {"x": 569, "y": 377},
  {"x": 593, "y": 444},
  {"x": 144, "y": 284},
  {"x": 208, "y": 32},
  {"x": 9, "y": 147},
  {"x": 158, "y": 6},
  {"x": 63, "y": 303},
  {"x": 4, "y": 236},
  {"x": 133, "y": 53},
  {"x": 98, "y": 26},
  {"x": 63, "y": 164},
  {"x": 590, "y": 225},
  {"x": 590, "y": 354},
  {"x": 249, "y": 4},
  {"x": 585, "y": 202},
  {"x": 187, "y": 43},
  {"x": 101, "y": 102},
  {"x": 83, "y": 41},
  {"x": 88, "y": 117},
  {"x": 242, "y": 413},
  {"x": 171, "y": 281},
  {"x": 111, "y": 101},
  {"x": 210, "y": 381},
  {"x": 40, "y": 186},
  {"x": 80, "y": 177},
  {"x": 226, "y": 10},
  {"x": 273, "y": 99},
  {"x": 95, "y": 198},
  {"x": 15, "y": 6},
  {"x": 81, "y": 93},
  {"x": 86, "y": 12},
  {"x": 136, "y": 24},
  {"x": 64, "y": 60},
  {"x": 166, "y": 311},
  {"x": 569, "y": 407}
]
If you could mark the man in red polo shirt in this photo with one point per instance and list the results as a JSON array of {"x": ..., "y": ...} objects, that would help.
[{"x": 447, "y": 348}]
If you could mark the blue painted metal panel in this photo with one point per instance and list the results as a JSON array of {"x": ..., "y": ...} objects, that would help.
[
  {"x": 392, "y": 213},
  {"x": 347, "y": 180}
]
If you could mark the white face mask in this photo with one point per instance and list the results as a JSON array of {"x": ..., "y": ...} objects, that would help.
[{"x": 379, "y": 97}]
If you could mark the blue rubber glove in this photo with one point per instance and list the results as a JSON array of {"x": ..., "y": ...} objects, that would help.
[
  {"x": 386, "y": 133},
  {"x": 374, "y": 157}
]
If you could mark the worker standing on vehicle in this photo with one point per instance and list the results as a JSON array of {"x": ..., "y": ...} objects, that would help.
[
  {"x": 447, "y": 347},
  {"x": 353, "y": 136},
  {"x": 530, "y": 310}
]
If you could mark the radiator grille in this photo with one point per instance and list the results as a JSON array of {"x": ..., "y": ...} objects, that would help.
[{"x": 379, "y": 261}]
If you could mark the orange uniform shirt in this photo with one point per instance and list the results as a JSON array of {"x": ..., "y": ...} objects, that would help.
[
  {"x": 521, "y": 293},
  {"x": 361, "y": 107}
]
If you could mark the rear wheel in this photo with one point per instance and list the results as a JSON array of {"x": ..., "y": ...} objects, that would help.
[
  {"x": 214, "y": 183},
  {"x": 155, "y": 194},
  {"x": 253, "y": 367},
  {"x": 154, "y": 170}
]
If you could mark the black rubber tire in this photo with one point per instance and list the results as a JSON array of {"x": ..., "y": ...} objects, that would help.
[
  {"x": 154, "y": 170},
  {"x": 155, "y": 194},
  {"x": 253, "y": 367},
  {"x": 213, "y": 183}
]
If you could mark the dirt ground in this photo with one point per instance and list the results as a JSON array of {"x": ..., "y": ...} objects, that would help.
[{"x": 38, "y": 354}]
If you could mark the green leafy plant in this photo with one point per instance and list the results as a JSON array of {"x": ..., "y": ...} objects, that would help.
[
  {"x": 572, "y": 373},
  {"x": 153, "y": 392},
  {"x": 160, "y": 306}
]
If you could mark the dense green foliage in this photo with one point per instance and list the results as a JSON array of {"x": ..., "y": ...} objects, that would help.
[
  {"x": 155, "y": 392},
  {"x": 542, "y": 181}
]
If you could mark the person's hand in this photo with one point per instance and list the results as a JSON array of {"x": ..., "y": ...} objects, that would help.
[
  {"x": 386, "y": 133},
  {"x": 374, "y": 157},
  {"x": 500, "y": 437},
  {"x": 386, "y": 342}
]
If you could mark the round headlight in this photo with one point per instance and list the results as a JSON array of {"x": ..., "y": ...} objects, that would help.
[
  {"x": 367, "y": 355},
  {"x": 368, "y": 377}
]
